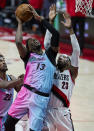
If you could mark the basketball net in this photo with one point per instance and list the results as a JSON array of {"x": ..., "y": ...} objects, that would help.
[{"x": 84, "y": 6}]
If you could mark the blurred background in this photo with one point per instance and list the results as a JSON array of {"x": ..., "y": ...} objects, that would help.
[
  {"x": 82, "y": 106},
  {"x": 83, "y": 25}
]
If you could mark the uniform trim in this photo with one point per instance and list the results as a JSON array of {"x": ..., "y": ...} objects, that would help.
[
  {"x": 71, "y": 122},
  {"x": 36, "y": 91},
  {"x": 58, "y": 93}
]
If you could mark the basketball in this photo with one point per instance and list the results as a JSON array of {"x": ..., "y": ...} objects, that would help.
[{"x": 24, "y": 13}]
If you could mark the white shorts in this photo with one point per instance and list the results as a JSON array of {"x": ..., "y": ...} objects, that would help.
[
  {"x": 58, "y": 120},
  {"x": 31, "y": 103}
]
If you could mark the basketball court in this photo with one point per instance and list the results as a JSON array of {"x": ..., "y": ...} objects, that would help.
[{"x": 82, "y": 107}]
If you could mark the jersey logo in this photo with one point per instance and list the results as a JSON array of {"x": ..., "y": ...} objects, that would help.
[
  {"x": 7, "y": 97},
  {"x": 61, "y": 76}
]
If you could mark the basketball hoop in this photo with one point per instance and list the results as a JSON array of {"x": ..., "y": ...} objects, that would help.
[{"x": 84, "y": 6}]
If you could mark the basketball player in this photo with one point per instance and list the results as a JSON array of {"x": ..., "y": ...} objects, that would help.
[
  {"x": 58, "y": 114},
  {"x": 33, "y": 97},
  {"x": 7, "y": 83}
]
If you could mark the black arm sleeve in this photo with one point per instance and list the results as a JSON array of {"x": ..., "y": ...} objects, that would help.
[
  {"x": 51, "y": 55},
  {"x": 55, "y": 33}
]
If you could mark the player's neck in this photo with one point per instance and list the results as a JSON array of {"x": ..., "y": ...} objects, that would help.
[{"x": 3, "y": 75}]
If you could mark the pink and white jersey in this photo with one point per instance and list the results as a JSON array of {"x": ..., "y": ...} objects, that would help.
[
  {"x": 6, "y": 99},
  {"x": 62, "y": 89},
  {"x": 38, "y": 74}
]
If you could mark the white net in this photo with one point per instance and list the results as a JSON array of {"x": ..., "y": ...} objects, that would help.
[{"x": 84, "y": 6}]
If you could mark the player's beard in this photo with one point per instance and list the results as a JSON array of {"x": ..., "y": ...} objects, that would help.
[
  {"x": 4, "y": 69},
  {"x": 35, "y": 47},
  {"x": 61, "y": 66}
]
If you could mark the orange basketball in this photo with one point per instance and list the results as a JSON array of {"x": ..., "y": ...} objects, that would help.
[{"x": 24, "y": 13}]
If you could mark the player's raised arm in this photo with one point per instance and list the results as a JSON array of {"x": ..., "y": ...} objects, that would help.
[
  {"x": 75, "y": 46},
  {"x": 54, "y": 32},
  {"x": 48, "y": 35},
  {"x": 21, "y": 48}
]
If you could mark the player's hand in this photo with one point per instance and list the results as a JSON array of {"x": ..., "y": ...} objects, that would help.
[
  {"x": 19, "y": 85},
  {"x": 19, "y": 21},
  {"x": 52, "y": 12},
  {"x": 67, "y": 20},
  {"x": 35, "y": 14},
  {"x": 21, "y": 76}
]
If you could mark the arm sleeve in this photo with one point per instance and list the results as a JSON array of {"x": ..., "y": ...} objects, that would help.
[
  {"x": 47, "y": 44},
  {"x": 76, "y": 51},
  {"x": 53, "y": 31},
  {"x": 47, "y": 39}
]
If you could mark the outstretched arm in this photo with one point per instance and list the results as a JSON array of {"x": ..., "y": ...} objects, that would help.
[
  {"x": 75, "y": 55},
  {"x": 19, "y": 85},
  {"x": 47, "y": 39},
  {"x": 52, "y": 30},
  {"x": 21, "y": 48},
  {"x": 75, "y": 46},
  {"x": 76, "y": 50},
  {"x": 48, "y": 35},
  {"x": 10, "y": 84}
]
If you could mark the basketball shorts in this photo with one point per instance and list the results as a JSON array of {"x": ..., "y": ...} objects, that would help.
[
  {"x": 58, "y": 119},
  {"x": 31, "y": 103}
]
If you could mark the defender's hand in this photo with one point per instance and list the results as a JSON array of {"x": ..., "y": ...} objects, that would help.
[
  {"x": 52, "y": 13},
  {"x": 67, "y": 20},
  {"x": 35, "y": 14}
]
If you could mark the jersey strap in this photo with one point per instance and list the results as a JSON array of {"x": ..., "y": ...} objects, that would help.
[{"x": 58, "y": 93}]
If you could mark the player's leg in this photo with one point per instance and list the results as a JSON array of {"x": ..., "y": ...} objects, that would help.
[
  {"x": 35, "y": 120},
  {"x": 63, "y": 120},
  {"x": 2, "y": 120},
  {"x": 23, "y": 124},
  {"x": 17, "y": 110},
  {"x": 37, "y": 112},
  {"x": 49, "y": 122},
  {"x": 0, "y": 123},
  {"x": 10, "y": 123}
]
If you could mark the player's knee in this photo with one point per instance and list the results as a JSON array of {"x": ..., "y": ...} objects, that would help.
[{"x": 10, "y": 123}]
